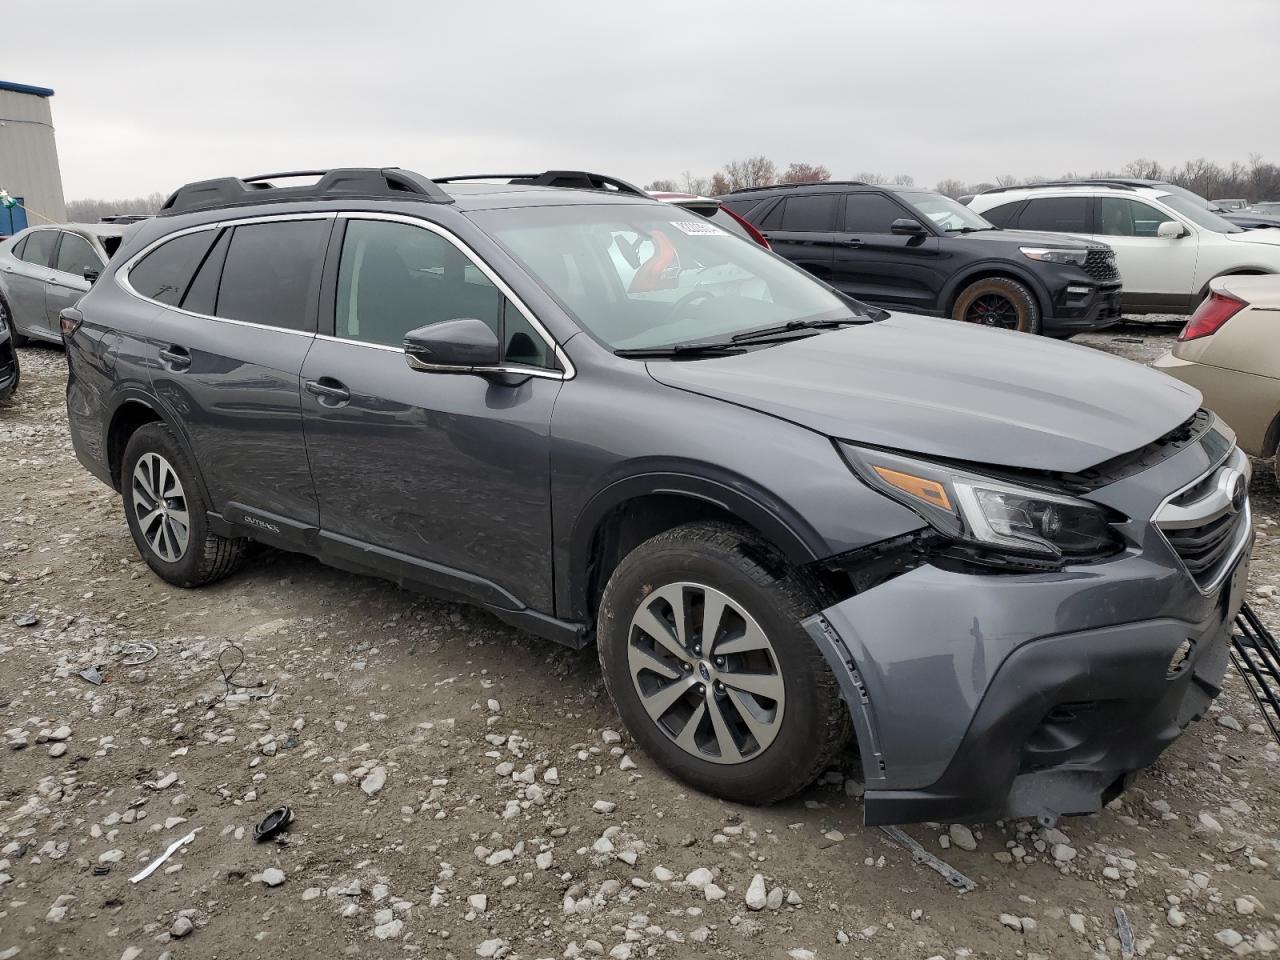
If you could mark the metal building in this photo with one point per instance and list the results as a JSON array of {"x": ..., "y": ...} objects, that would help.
[{"x": 28, "y": 156}]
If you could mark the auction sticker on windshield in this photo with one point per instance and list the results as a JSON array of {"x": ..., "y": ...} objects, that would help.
[{"x": 695, "y": 229}]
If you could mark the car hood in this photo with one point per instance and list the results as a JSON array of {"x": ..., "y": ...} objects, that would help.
[
  {"x": 1024, "y": 238},
  {"x": 1267, "y": 237},
  {"x": 945, "y": 389}
]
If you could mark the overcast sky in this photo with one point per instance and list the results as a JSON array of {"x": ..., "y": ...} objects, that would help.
[{"x": 154, "y": 93}]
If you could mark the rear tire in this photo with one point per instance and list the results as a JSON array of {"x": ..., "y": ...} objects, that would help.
[
  {"x": 998, "y": 302},
  {"x": 753, "y": 746},
  {"x": 168, "y": 514}
]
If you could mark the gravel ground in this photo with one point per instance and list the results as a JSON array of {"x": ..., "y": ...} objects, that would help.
[{"x": 459, "y": 792}]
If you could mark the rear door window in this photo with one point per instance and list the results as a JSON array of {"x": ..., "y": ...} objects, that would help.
[
  {"x": 815, "y": 213},
  {"x": 163, "y": 274},
  {"x": 75, "y": 255},
  {"x": 39, "y": 247},
  {"x": 271, "y": 273},
  {"x": 1056, "y": 215},
  {"x": 870, "y": 213}
]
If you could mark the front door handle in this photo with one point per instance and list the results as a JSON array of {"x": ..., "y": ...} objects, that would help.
[
  {"x": 331, "y": 392},
  {"x": 175, "y": 358},
  {"x": 849, "y": 243}
]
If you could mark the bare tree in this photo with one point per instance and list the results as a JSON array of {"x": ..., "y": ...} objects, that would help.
[
  {"x": 868, "y": 177},
  {"x": 903, "y": 180},
  {"x": 698, "y": 186},
  {"x": 804, "y": 173},
  {"x": 757, "y": 171},
  {"x": 667, "y": 186},
  {"x": 952, "y": 187},
  {"x": 720, "y": 184},
  {"x": 1007, "y": 180},
  {"x": 91, "y": 211}
]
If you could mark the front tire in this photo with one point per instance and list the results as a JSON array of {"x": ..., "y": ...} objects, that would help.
[
  {"x": 16, "y": 338},
  {"x": 167, "y": 513},
  {"x": 704, "y": 657},
  {"x": 998, "y": 302}
]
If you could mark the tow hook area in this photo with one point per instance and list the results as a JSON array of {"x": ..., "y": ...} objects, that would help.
[{"x": 1257, "y": 659}]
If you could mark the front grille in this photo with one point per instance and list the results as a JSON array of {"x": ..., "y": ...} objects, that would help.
[
  {"x": 1206, "y": 523},
  {"x": 1202, "y": 547},
  {"x": 1101, "y": 265}
]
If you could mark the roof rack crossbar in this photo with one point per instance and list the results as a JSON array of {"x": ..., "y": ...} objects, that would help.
[
  {"x": 340, "y": 182},
  {"x": 568, "y": 179}
]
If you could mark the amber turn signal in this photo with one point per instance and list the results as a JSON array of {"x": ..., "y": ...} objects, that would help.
[{"x": 930, "y": 491}]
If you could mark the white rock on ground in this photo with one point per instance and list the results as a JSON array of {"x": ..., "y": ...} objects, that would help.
[
  {"x": 757, "y": 896},
  {"x": 273, "y": 876}
]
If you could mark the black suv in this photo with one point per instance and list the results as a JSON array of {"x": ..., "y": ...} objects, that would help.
[
  {"x": 783, "y": 518},
  {"x": 921, "y": 251}
]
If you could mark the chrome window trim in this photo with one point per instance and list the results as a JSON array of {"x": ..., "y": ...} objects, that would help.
[
  {"x": 569, "y": 371},
  {"x": 121, "y": 275}
]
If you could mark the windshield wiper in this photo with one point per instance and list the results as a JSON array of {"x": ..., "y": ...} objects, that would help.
[
  {"x": 968, "y": 229},
  {"x": 691, "y": 349},
  {"x": 797, "y": 327}
]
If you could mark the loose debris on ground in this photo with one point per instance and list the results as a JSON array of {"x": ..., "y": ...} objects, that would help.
[{"x": 461, "y": 791}]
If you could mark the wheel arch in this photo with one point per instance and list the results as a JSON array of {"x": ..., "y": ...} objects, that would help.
[
  {"x": 992, "y": 270},
  {"x": 1234, "y": 272},
  {"x": 134, "y": 409},
  {"x": 630, "y": 511}
]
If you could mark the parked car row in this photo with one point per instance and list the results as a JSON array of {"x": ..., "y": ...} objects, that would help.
[{"x": 1004, "y": 569}]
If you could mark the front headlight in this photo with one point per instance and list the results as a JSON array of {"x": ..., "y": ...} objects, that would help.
[
  {"x": 1056, "y": 255},
  {"x": 970, "y": 508}
]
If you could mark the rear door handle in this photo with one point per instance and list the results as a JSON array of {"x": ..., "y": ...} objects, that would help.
[
  {"x": 849, "y": 243},
  {"x": 331, "y": 392},
  {"x": 175, "y": 357}
]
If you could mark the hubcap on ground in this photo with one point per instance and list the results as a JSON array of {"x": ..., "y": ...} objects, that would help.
[
  {"x": 993, "y": 310},
  {"x": 160, "y": 504},
  {"x": 705, "y": 673}
]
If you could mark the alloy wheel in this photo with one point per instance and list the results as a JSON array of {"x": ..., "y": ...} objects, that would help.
[
  {"x": 160, "y": 505},
  {"x": 993, "y": 310},
  {"x": 706, "y": 673}
]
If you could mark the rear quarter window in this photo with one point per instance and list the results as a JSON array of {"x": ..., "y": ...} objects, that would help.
[
  {"x": 1003, "y": 214},
  {"x": 164, "y": 273}
]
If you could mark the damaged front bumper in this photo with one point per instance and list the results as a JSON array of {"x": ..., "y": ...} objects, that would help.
[
  {"x": 975, "y": 708},
  {"x": 978, "y": 695}
]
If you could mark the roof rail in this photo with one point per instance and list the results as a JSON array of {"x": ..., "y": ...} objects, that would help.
[
  {"x": 569, "y": 179},
  {"x": 1118, "y": 182},
  {"x": 803, "y": 183},
  {"x": 342, "y": 182}
]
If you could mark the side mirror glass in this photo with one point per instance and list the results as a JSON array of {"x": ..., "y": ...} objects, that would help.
[
  {"x": 92, "y": 274},
  {"x": 906, "y": 226},
  {"x": 1169, "y": 230},
  {"x": 455, "y": 346}
]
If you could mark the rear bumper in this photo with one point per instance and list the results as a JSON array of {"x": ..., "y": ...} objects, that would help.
[
  {"x": 1083, "y": 306},
  {"x": 977, "y": 696},
  {"x": 1248, "y": 402}
]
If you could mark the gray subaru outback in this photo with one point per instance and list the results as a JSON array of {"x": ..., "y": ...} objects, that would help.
[{"x": 1000, "y": 569}]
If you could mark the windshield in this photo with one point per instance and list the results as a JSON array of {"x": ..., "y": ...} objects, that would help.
[
  {"x": 652, "y": 275},
  {"x": 1198, "y": 214},
  {"x": 947, "y": 214}
]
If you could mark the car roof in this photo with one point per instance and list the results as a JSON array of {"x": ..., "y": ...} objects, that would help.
[{"x": 1011, "y": 194}]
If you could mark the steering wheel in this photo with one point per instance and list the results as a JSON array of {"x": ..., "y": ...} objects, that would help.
[{"x": 688, "y": 300}]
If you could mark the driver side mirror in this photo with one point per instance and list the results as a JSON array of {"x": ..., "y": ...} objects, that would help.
[
  {"x": 907, "y": 227},
  {"x": 92, "y": 274},
  {"x": 1171, "y": 230},
  {"x": 455, "y": 346}
]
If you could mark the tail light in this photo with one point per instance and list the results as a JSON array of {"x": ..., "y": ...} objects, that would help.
[
  {"x": 752, "y": 232},
  {"x": 1215, "y": 310},
  {"x": 70, "y": 320}
]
